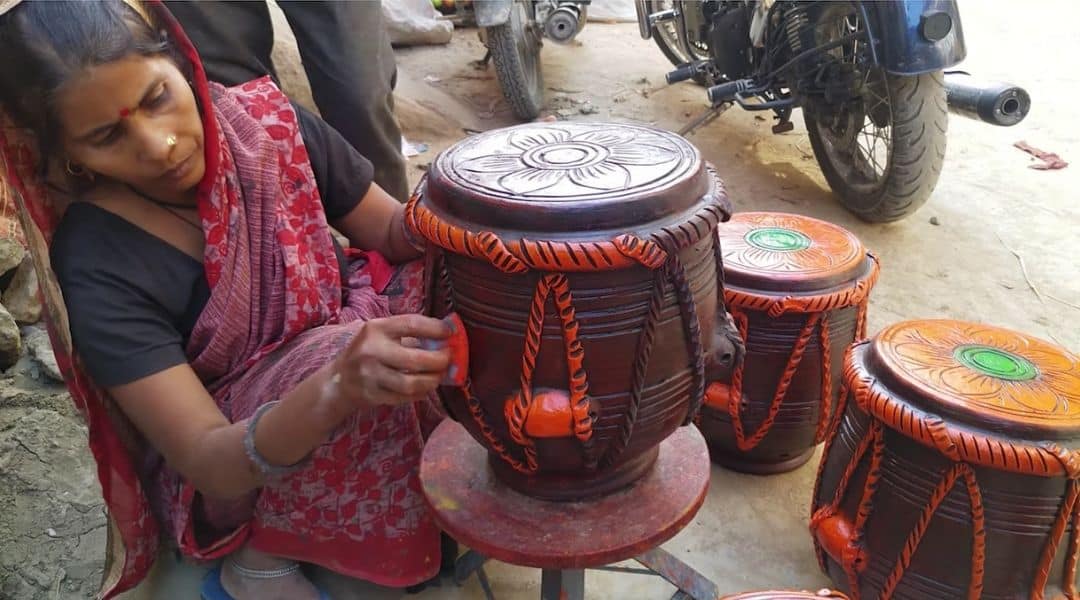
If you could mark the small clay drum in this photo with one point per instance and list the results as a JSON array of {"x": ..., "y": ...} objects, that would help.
[
  {"x": 581, "y": 259},
  {"x": 823, "y": 594},
  {"x": 798, "y": 290},
  {"x": 953, "y": 470}
]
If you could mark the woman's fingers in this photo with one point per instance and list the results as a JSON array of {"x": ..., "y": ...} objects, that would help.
[
  {"x": 392, "y": 361},
  {"x": 375, "y": 383},
  {"x": 416, "y": 326},
  {"x": 414, "y": 360},
  {"x": 406, "y": 386}
]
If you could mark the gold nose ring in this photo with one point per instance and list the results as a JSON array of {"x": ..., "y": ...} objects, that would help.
[{"x": 170, "y": 141}]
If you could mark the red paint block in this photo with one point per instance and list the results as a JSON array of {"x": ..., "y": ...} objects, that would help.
[{"x": 459, "y": 352}]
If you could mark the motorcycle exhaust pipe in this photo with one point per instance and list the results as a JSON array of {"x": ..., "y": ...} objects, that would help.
[
  {"x": 563, "y": 24},
  {"x": 991, "y": 102}
]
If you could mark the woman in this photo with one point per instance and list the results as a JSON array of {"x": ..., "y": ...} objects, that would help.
[{"x": 278, "y": 395}]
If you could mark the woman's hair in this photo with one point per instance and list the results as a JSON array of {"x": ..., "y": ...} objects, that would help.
[{"x": 44, "y": 44}]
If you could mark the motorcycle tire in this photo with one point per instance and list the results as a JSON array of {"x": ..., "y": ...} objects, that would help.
[
  {"x": 919, "y": 121},
  {"x": 517, "y": 64}
]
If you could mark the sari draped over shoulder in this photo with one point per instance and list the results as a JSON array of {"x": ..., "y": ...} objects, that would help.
[{"x": 278, "y": 311}]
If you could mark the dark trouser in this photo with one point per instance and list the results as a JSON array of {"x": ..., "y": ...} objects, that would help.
[{"x": 345, "y": 51}]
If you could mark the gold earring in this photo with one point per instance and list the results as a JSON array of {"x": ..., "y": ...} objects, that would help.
[
  {"x": 170, "y": 141},
  {"x": 78, "y": 171}
]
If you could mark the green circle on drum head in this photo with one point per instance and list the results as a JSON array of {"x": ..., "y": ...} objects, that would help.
[
  {"x": 996, "y": 363},
  {"x": 777, "y": 239}
]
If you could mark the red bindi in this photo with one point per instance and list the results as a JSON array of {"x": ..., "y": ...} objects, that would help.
[{"x": 125, "y": 113}]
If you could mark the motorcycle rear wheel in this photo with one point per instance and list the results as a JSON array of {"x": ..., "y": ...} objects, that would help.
[
  {"x": 515, "y": 49},
  {"x": 882, "y": 152}
]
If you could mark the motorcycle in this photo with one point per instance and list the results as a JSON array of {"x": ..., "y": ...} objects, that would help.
[
  {"x": 513, "y": 32},
  {"x": 869, "y": 76}
]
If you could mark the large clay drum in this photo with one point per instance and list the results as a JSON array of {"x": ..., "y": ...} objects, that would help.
[
  {"x": 824, "y": 594},
  {"x": 582, "y": 259},
  {"x": 798, "y": 289},
  {"x": 953, "y": 470}
]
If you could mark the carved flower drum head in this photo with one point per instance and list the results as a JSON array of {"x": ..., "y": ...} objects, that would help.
[
  {"x": 566, "y": 162},
  {"x": 988, "y": 374},
  {"x": 788, "y": 250}
]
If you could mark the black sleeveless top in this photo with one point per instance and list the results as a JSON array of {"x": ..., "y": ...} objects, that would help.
[{"x": 133, "y": 299}]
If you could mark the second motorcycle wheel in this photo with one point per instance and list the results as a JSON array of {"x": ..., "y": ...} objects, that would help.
[
  {"x": 515, "y": 48},
  {"x": 881, "y": 151}
]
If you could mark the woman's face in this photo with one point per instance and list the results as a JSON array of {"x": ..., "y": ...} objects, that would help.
[{"x": 135, "y": 120}]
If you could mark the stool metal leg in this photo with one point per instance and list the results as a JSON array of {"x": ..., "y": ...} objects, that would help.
[
  {"x": 472, "y": 562},
  {"x": 569, "y": 584},
  {"x": 566, "y": 584},
  {"x": 467, "y": 564},
  {"x": 681, "y": 575}
]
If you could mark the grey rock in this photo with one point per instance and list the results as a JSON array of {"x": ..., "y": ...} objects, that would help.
[
  {"x": 48, "y": 481},
  {"x": 39, "y": 346},
  {"x": 21, "y": 298},
  {"x": 11, "y": 254},
  {"x": 10, "y": 340}
]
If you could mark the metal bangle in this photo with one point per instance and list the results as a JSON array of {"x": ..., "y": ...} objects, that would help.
[
  {"x": 248, "y": 573},
  {"x": 269, "y": 472}
]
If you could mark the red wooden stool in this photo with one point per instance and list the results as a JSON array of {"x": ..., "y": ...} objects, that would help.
[{"x": 565, "y": 538}]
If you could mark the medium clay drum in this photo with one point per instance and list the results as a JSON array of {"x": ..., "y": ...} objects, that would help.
[
  {"x": 953, "y": 470},
  {"x": 581, "y": 259},
  {"x": 798, "y": 290},
  {"x": 824, "y": 594}
]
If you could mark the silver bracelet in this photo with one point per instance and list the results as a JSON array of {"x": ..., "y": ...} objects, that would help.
[
  {"x": 269, "y": 472},
  {"x": 247, "y": 573}
]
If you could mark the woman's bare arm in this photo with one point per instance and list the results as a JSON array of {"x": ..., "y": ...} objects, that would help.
[
  {"x": 178, "y": 416},
  {"x": 377, "y": 224}
]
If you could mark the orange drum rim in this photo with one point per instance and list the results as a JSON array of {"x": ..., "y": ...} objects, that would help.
[
  {"x": 855, "y": 293},
  {"x": 959, "y": 442},
  {"x": 983, "y": 375},
  {"x": 823, "y": 593},
  {"x": 518, "y": 254},
  {"x": 776, "y": 252}
]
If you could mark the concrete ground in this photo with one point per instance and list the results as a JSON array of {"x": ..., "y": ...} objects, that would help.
[{"x": 988, "y": 208}]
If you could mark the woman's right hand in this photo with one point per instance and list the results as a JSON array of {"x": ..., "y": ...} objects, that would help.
[{"x": 383, "y": 366}]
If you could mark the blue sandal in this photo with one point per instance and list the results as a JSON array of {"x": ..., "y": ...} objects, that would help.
[{"x": 213, "y": 590}]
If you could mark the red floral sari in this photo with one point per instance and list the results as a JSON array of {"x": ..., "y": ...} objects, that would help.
[{"x": 275, "y": 315}]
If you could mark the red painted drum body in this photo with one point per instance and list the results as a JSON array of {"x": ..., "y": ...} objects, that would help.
[
  {"x": 582, "y": 260},
  {"x": 953, "y": 470},
  {"x": 798, "y": 289}
]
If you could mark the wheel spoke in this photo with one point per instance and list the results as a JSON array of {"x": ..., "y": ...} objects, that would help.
[{"x": 857, "y": 146}]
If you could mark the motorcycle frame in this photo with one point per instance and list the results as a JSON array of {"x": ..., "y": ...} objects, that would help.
[
  {"x": 491, "y": 13},
  {"x": 896, "y": 31}
]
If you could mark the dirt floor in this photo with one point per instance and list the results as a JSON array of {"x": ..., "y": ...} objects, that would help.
[{"x": 959, "y": 256}]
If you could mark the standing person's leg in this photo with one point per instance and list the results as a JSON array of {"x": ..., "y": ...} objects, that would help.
[
  {"x": 234, "y": 39},
  {"x": 350, "y": 64}
]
